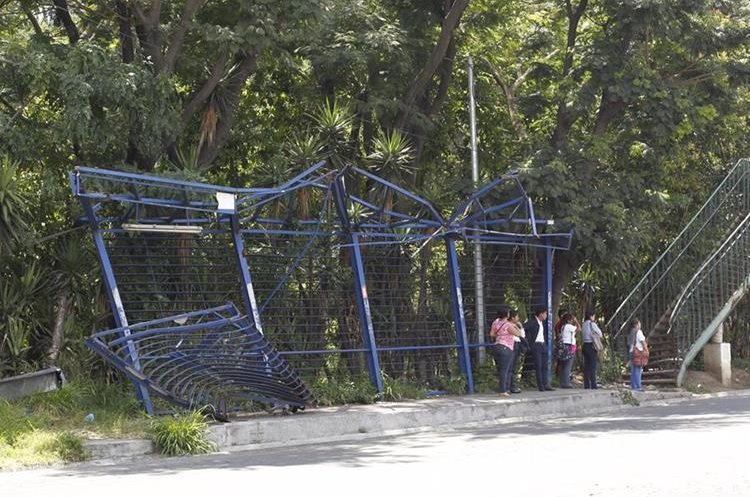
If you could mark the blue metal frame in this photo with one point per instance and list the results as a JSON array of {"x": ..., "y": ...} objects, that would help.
[
  {"x": 472, "y": 222},
  {"x": 457, "y": 306},
  {"x": 115, "y": 302},
  {"x": 360, "y": 287},
  {"x": 248, "y": 294}
]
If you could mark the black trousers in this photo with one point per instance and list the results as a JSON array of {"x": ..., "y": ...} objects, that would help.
[
  {"x": 541, "y": 364},
  {"x": 590, "y": 364},
  {"x": 519, "y": 354}
]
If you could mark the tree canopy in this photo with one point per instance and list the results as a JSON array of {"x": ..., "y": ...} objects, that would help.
[{"x": 621, "y": 115}]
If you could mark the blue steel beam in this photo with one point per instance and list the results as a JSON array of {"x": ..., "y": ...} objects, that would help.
[
  {"x": 291, "y": 184},
  {"x": 388, "y": 212},
  {"x": 416, "y": 198},
  {"x": 147, "y": 180},
  {"x": 360, "y": 283},
  {"x": 457, "y": 306},
  {"x": 115, "y": 302},
  {"x": 491, "y": 210},
  {"x": 248, "y": 293}
]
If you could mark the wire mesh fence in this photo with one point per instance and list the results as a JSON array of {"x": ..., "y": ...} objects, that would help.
[{"x": 162, "y": 274}]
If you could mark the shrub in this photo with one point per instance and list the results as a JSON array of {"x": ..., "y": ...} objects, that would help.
[
  {"x": 70, "y": 447},
  {"x": 400, "y": 389},
  {"x": 337, "y": 391},
  {"x": 181, "y": 434}
]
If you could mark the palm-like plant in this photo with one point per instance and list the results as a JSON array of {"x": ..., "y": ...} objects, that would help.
[
  {"x": 392, "y": 155},
  {"x": 69, "y": 284},
  {"x": 13, "y": 226},
  {"x": 333, "y": 122},
  {"x": 391, "y": 158}
]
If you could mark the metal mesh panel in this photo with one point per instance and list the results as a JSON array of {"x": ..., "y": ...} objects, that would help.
[
  {"x": 512, "y": 276},
  {"x": 161, "y": 274},
  {"x": 410, "y": 304},
  {"x": 303, "y": 287}
]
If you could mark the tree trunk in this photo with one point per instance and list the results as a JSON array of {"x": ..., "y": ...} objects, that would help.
[
  {"x": 62, "y": 12},
  {"x": 563, "y": 273},
  {"x": 233, "y": 88},
  {"x": 62, "y": 305},
  {"x": 421, "y": 83},
  {"x": 565, "y": 119},
  {"x": 127, "y": 48}
]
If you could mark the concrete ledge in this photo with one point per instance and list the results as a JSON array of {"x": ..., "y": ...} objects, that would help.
[
  {"x": 393, "y": 418},
  {"x": 20, "y": 386},
  {"x": 108, "y": 449}
]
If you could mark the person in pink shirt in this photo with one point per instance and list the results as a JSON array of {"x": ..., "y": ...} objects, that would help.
[{"x": 502, "y": 333}]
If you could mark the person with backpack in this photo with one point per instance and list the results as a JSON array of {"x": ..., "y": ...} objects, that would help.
[
  {"x": 592, "y": 338},
  {"x": 567, "y": 348}
]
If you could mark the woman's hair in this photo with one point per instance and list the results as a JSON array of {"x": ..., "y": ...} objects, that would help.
[
  {"x": 566, "y": 318},
  {"x": 512, "y": 314},
  {"x": 561, "y": 313},
  {"x": 503, "y": 312},
  {"x": 590, "y": 315},
  {"x": 635, "y": 323}
]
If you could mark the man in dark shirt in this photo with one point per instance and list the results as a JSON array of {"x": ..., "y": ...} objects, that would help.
[{"x": 537, "y": 335}]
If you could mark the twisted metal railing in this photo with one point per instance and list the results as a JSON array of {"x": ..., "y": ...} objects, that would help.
[
  {"x": 654, "y": 297},
  {"x": 202, "y": 357},
  {"x": 711, "y": 295}
]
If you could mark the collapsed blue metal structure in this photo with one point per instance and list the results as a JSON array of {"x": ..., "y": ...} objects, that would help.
[{"x": 323, "y": 265}]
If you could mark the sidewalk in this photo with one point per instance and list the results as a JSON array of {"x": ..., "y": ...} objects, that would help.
[{"x": 392, "y": 418}]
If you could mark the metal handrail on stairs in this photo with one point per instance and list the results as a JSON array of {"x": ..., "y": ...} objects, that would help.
[
  {"x": 710, "y": 296},
  {"x": 664, "y": 281}
]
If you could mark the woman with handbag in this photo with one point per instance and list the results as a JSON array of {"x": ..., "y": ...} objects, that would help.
[
  {"x": 502, "y": 333},
  {"x": 638, "y": 354},
  {"x": 592, "y": 345},
  {"x": 567, "y": 350}
]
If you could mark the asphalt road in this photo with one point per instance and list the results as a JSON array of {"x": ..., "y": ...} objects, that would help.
[{"x": 694, "y": 448}]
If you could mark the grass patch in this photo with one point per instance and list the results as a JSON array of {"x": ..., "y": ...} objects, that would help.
[
  {"x": 182, "y": 434},
  {"x": 341, "y": 391},
  {"x": 50, "y": 427},
  {"x": 41, "y": 447},
  {"x": 627, "y": 398},
  {"x": 396, "y": 389}
]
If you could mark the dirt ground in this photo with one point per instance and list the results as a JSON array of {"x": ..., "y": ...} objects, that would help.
[{"x": 701, "y": 381}]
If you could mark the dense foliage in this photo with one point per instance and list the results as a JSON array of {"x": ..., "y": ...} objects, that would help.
[{"x": 621, "y": 114}]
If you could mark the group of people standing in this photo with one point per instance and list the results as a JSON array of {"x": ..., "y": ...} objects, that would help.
[{"x": 512, "y": 341}]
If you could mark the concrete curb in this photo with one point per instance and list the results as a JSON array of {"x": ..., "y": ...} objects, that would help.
[{"x": 359, "y": 422}]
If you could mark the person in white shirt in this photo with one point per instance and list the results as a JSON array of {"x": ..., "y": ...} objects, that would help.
[
  {"x": 537, "y": 331},
  {"x": 590, "y": 332},
  {"x": 636, "y": 340},
  {"x": 567, "y": 348}
]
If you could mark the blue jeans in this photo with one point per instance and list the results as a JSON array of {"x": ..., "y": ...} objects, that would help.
[
  {"x": 635, "y": 377},
  {"x": 565, "y": 367},
  {"x": 504, "y": 361},
  {"x": 541, "y": 364}
]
